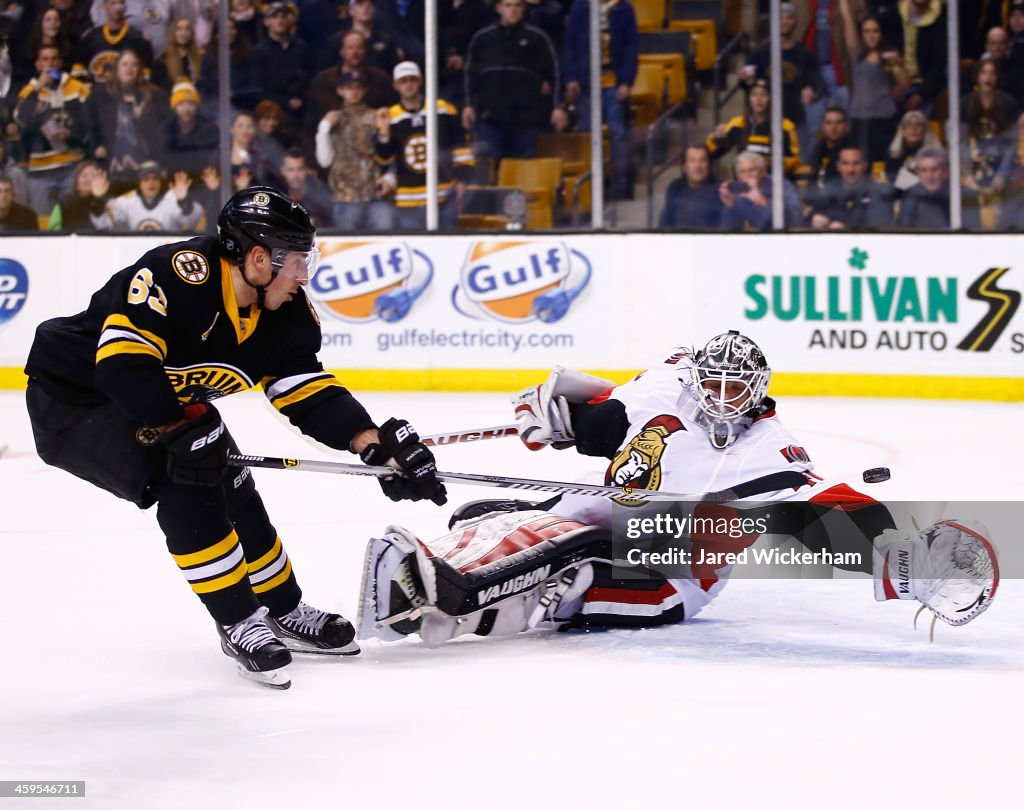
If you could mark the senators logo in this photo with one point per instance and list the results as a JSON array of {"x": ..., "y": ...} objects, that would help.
[
  {"x": 794, "y": 454},
  {"x": 191, "y": 266},
  {"x": 638, "y": 464}
]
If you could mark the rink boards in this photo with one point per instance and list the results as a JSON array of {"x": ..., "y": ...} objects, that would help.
[{"x": 837, "y": 314}]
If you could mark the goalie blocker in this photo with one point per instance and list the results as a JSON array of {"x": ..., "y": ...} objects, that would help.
[{"x": 503, "y": 573}]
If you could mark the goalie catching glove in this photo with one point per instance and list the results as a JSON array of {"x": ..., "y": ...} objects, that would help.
[
  {"x": 950, "y": 568},
  {"x": 197, "y": 449},
  {"x": 398, "y": 440},
  {"x": 542, "y": 411}
]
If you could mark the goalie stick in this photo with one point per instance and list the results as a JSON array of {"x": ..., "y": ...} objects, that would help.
[
  {"x": 767, "y": 483},
  {"x": 471, "y": 435},
  {"x": 875, "y": 475}
]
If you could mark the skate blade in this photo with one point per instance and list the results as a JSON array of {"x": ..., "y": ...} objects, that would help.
[
  {"x": 304, "y": 648},
  {"x": 274, "y": 679}
]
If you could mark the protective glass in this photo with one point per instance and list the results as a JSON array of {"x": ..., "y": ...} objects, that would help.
[{"x": 296, "y": 264}]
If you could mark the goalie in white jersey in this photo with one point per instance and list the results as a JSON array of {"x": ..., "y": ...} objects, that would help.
[{"x": 700, "y": 423}]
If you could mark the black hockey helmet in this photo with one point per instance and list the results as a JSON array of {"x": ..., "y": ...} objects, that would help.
[
  {"x": 730, "y": 358},
  {"x": 262, "y": 215}
]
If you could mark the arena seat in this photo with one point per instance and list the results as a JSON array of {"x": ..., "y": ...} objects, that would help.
[
  {"x": 573, "y": 149},
  {"x": 704, "y": 39},
  {"x": 648, "y": 92},
  {"x": 540, "y": 179},
  {"x": 674, "y": 66},
  {"x": 650, "y": 14}
]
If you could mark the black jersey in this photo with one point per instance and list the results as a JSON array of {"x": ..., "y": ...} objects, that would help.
[
  {"x": 100, "y": 49},
  {"x": 406, "y": 150},
  {"x": 167, "y": 331}
]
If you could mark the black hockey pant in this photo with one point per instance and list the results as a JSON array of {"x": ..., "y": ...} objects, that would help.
[{"x": 220, "y": 537}]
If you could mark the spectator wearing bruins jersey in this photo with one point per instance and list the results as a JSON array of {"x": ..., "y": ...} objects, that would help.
[
  {"x": 402, "y": 148},
  {"x": 100, "y": 47},
  {"x": 753, "y": 132},
  {"x": 119, "y": 395},
  {"x": 52, "y": 119}
]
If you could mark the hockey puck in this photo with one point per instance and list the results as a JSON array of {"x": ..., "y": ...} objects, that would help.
[{"x": 876, "y": 475}]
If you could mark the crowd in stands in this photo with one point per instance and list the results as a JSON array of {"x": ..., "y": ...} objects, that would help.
[
  {"x": 865, "y": 108},
  {"x": 109, "y": 115}
]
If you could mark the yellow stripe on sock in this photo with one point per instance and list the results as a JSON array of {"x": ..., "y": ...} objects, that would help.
[
  {"x": 220, "y": 583},
  {"x": 266, "y": 559},
  {"x": 207, "y": 554},
  {"x": 270, "y": 584}
]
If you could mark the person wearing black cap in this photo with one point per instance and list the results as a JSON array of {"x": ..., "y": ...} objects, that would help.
[
  {"x": 120, "y": 395},
  {"x": 345, "y": 147}
]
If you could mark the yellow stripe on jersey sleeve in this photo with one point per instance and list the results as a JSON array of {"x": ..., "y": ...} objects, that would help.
[
  {"x": 305, "y": 391},
  {"x": 124, "y": 322},
  {"x": 126, "y": 347}
]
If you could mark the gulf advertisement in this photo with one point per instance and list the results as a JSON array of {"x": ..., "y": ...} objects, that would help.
[
  {"x": 877, "y": 315},
  {"x": 463, "y": 304}
]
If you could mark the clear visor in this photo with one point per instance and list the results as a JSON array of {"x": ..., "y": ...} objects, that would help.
[
  {"x": 728, "y": 395},
  {"x": 295, "y": 264}
]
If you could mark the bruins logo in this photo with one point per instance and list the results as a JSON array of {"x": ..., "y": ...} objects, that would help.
[
  {"x": 638, "y": 464},
  {"x": 101, "y": 66},
  {"x": 146, "y": 436},
  {"x": 415, "y": 152},
  {"x": 202, "y": 383},
  {"x": 191, "y": 266},
  {"x": 261, "y": 198}
]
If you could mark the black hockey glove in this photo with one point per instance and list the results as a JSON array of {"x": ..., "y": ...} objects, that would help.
[
  {"x": 197, "y": 450},
  {"x": 399, "y": 440}
]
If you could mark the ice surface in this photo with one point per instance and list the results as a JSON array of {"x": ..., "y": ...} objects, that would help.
[{"x": 780, "y": 694}]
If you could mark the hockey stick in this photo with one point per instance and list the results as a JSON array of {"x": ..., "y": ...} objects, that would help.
[
  {"x": 767, "y": 483},
  {"x": 471, "y": 435}
]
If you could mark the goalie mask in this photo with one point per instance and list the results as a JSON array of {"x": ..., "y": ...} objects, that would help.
[{"x": 730, "y": 381}]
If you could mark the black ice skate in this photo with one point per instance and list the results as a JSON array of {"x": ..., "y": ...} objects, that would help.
[
  {"x": 258, "y": 653},
  {"x": 308, "y": 630}
]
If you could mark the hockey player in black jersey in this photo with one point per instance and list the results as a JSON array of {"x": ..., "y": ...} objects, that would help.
[{"x": 120, "y": 395}]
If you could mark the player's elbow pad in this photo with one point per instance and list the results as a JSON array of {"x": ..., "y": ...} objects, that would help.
[{"x": 599, "y": 428}]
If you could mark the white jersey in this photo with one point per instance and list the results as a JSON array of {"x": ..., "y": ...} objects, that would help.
[
  {"x": 151, "y": 17},
  {"x": 667, "y": 446},
  {"x": 129, "y": 212}
]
